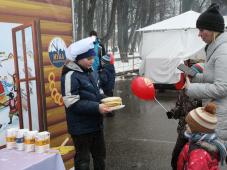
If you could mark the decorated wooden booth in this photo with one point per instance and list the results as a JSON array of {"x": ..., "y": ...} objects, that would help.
[{"x": 33, "y": 38}]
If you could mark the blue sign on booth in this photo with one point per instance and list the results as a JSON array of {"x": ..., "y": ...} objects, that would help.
[{"x": 57, "y": 52}]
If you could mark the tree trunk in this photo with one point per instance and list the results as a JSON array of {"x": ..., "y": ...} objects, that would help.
[
  {"x": 98, "y": 15},
  {"x": 103, "y": 18},
  {"x": 186, "y": 5},
  {"x": 123, "y": 29},
  {"x": 79, "y": 19},
  {"x": 85, "y": 17},
  {"x": 133, "y": 46},
  {"x": 162, "y": 6},
  {"x": 151, "y": 17},
  {"x": 134, "y": 25},
  {"x": 111, "y": 23},
  {"x": 143, "y": 14},
  {"x": 107, "y": 21},
  {"x": 89, "y": 16}
]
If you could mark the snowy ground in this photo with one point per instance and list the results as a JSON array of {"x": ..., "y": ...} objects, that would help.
[{"x": 133, "y": 64}]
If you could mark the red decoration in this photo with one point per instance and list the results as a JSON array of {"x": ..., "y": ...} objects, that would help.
[
  {"x": 143, "y": 88},
  {"x": 180, "y": 84},
  {"x": 112, "y": 60}
]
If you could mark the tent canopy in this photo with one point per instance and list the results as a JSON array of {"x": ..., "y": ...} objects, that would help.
[
  {"x": 184, "y": 21},
  {"x": 168, "y": 43}
]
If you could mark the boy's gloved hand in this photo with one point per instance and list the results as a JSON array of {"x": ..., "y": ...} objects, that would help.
[{"x": 169, "y": 114}]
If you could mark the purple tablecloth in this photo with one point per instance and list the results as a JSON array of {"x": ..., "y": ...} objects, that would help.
[{"x": 18, "y": 160}]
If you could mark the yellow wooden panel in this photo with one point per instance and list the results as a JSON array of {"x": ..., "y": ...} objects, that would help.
[
  {"x": 54, "y": 142},
  {"x": 69, "y": 164},
  {"x": 14, "y": 19},
  {"x": 57, "y": 129},
  {"x": 50, "y": 71},
  {"x": 56, "y": 2},
  {"x": 46, "y": 58},
  {"x": 36, "y": 10},
  {"x": 57, "y": 84},
  {"x": 55, "y": 114},
  {"x": 51, "y": 104},
  {"x": 46, "y": 39},
  {"x": 55, "y": 28}
]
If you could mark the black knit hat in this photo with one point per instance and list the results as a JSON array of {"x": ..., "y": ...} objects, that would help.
[{"x": 211, "y": 19}]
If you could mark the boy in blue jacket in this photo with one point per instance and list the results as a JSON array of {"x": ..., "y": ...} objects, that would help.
[{"x": 84, "y": 113}]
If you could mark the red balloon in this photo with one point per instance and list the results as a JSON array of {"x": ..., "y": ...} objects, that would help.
[
  {"x": 143, "y": 88},
  {"x": 179, "y": 85}
]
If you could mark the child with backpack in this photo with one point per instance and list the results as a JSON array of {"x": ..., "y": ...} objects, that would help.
[{"x": 204, "y": 150}]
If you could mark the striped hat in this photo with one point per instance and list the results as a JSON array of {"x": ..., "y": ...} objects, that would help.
[
  {"x": 106, "y": 59},
  {"x": 198, "y": 67},
  {"x": 202, "y": 119}
]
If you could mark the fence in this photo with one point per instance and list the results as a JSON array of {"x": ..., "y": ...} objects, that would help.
[{"x": 132, "y": 65}]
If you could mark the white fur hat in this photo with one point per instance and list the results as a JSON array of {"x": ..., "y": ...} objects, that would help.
[{"x": 80, "y": 47}]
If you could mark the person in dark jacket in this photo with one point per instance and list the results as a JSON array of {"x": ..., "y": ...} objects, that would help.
[
  {"x": 107, "y": 78},
  {"x": 84, "y": 113},
  {"x": 183, "y": 105},
  {"x": 99, "y": 51}
]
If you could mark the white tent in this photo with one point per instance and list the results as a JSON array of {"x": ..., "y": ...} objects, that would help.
[{"x": 166, "y": 44}]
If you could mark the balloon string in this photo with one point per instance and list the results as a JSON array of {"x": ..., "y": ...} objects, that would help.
[{"x": 160, "y": 104}]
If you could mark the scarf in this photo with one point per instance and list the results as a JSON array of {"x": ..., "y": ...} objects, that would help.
[{"x": 210, "y": 138}]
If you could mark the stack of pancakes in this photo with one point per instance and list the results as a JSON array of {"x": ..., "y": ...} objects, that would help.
[{"x": 112, "y": 101}]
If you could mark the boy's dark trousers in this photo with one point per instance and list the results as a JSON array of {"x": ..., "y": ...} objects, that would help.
[
  {"x": 89, "y": 143},
  {"x": 181, "y": 141}
]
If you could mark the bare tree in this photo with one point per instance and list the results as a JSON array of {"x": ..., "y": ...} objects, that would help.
[
  {"x": 111, "y": 23},
  {"x": 162, "y": 7},
  {"x": 186, "y": 5},
  {"x": 131, "y": 15},
  {"x": 104, "y": 2},
  {"x": 89, "y": 17},
  {"x": 79, "y": 19},
  {"x": 122, "y": 25},
  {"x": 134, "y": 25}
]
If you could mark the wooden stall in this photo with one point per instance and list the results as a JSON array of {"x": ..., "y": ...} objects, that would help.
[{"x": 40, "y": 31}]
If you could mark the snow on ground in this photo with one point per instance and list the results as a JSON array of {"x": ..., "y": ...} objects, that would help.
[{"x": 133, "y": 64}]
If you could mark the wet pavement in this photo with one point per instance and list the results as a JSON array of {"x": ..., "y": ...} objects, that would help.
[{"x": 140, "y": 137}]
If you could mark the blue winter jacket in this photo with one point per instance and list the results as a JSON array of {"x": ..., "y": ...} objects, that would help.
[
  {"x": 81, "y": 97},
  {"x": 107, "y": 78},
  {"x": 100, "y": 51}
]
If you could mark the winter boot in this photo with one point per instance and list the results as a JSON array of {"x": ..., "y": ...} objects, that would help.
[{"x": 10, "y": 122}]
